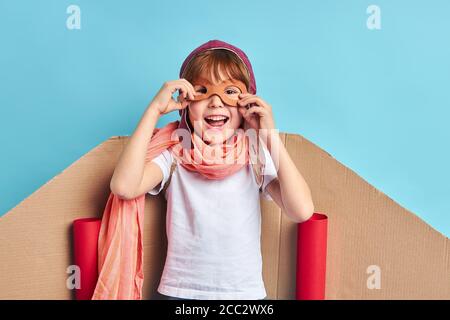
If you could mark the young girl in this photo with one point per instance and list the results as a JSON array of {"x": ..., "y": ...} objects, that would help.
[{"x": 213, "y": 207}]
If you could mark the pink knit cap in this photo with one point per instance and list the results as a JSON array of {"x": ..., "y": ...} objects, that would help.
[{"x": 217, "y": 44}]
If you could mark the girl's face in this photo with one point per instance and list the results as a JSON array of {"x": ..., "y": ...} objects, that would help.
[{"x": 212, "y": 119}]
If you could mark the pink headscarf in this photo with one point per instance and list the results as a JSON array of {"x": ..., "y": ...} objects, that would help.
[{"x": 120, "y": 243}]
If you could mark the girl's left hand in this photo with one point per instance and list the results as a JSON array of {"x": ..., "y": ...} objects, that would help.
[{"x": 259, "y": 115}]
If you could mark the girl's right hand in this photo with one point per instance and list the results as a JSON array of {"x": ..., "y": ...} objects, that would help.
[{"x": 164, "y": 102}]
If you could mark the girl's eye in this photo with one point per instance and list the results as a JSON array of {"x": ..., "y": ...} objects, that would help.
[
  {"x": 231, "y": 91},
  {"x": 201, "y": 89}
]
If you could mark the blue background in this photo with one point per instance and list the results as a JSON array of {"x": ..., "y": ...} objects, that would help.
[{"x": 377, "y": 100}]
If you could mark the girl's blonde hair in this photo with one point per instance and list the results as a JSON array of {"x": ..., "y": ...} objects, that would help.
[{"x": 212, "y": 61}]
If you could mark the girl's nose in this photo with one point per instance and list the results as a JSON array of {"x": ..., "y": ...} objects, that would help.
[{"x": 215, "y": 101}]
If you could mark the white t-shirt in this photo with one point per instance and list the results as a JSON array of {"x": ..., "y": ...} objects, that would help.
[{"x": 213, "y": 231}]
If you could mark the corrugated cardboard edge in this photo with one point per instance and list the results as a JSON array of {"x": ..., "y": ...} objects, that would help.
[
  {"x": 35, "y": 236},
  {"x": 366, "y": 228}
]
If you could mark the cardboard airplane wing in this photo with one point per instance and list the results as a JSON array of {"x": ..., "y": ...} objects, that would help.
[{"x": 376, "y": 248}]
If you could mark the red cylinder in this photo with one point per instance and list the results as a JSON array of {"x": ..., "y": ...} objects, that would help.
[
  {"x": 311, "y": 258},
  {"x": 85, "y": 242}
]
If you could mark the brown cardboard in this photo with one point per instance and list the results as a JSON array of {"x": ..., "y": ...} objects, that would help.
[{"x": 366, "y": 228}]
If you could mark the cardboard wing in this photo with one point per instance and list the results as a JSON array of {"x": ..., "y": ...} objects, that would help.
[{"x": 376, "y": 248}]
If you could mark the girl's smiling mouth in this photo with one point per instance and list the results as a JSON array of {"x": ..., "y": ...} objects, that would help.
[{"x": 216, "y": 121}]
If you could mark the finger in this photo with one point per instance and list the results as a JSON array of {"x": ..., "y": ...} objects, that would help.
[
  {"x": 192, "y": 92},
  {"x": 180, "y": 98},
  {"x": 242, "y": 95},
  {"x": 188, "y": 83},
  {"x": 255, "y": 110},
  {"x": 245, "y": 102},
  {"x": 181, "y": 105},
  {"x": 251, "y": 119},
  {"x": 252, "y": 99},
  {"x": 243, "y": 113},
  {"x": 184, "y": 89},
  {"x": 178, "y": 104},
  {"x": 175, "y": 85},
  {"x": 189, "y": 89},
  {"x": 248, "y": 105}
]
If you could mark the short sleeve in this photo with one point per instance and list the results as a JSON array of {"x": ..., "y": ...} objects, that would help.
[
  {"x": 270, "y": 173},
  {"x": 164, "y": 161}
]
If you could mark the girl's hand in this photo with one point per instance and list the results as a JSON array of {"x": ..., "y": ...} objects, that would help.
[
  {"x": 258, "y": 115},
  {"x": 164, "y": 102}
]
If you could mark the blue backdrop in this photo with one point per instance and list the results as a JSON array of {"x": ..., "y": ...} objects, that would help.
[{"x": 377, "y": 100}]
